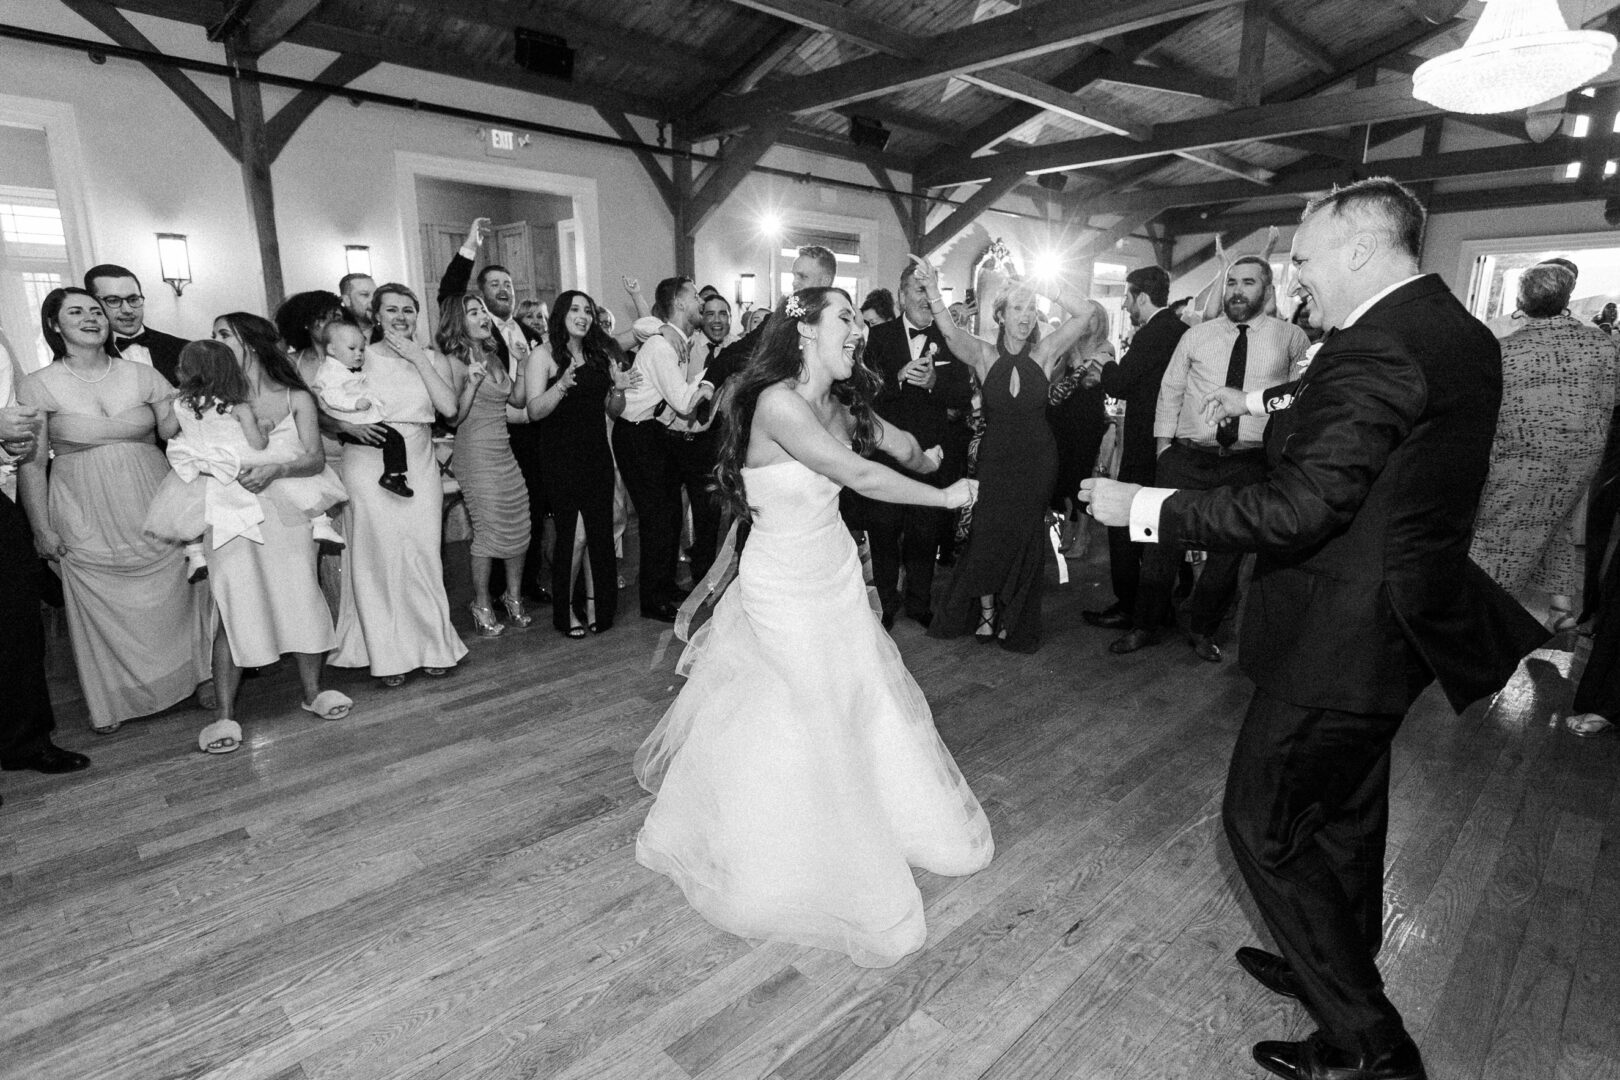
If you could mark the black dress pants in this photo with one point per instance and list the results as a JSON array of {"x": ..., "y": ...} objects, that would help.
[
  {"x": 1195, "y": 470},
  {"x": 1599, "y": 690},
  {"x": 26, "y": 720},
  {"x": 900, "y": 535},
  {"x": 1307, "y": 815},
  {"x": 526, "y": 449},
  {"x": 695, "y": 459},
  {"x": 1124, "y": 567},
  {"x": 646, "y": 456}
]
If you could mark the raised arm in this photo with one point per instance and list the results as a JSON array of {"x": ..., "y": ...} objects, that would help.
[
  {"x": 975, "y": 352},
  {"x": 459, "y": 272},
  {"x": 638, "y": 300}
]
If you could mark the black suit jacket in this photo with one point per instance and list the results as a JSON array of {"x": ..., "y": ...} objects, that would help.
[
  {"x": 1135, "y": 380},
  {"x": 454, "y": 284},
  {"x": 916, "y": 410},
  {"x": 1363, "y": 578},
  {"x": 731, "y": 359},
  {"x": 164, "y": 350}
]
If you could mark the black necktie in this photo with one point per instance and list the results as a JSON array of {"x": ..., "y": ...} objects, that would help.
[
  {"x": 714, "y": 349},
  {"x": 1226, "y": 434}
]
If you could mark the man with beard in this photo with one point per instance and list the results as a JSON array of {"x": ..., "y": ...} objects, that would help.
[{"x": 1247, "y": 350}]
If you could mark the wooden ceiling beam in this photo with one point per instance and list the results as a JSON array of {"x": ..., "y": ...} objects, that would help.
[
  {"x": 818, "y": 142},
  {"x": 1221, "y": 161},
  {"x": 1173, "y": 81},
  {"x": 1250, "y": 81},
  {"x": 762, "y": 61},
  {"x": 650, "y": 163},
  {"x": 905, "y": 119},
  {"x": 269, "y": 21},
  {"x": 1021, "y": 87},
  {"x": 346, "y": 68},
  {"x": 741, "y": 155},
  {"x": 1300, "y": 44},
  {"x": 601, "y": 36},
  {"x": 966, "y": 214},
  {"x": 1032, "y": 31},
  {"x": 846, "y": 25}
]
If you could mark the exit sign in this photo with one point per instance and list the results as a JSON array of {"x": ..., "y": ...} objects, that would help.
[{"x": 501, "y": 143}]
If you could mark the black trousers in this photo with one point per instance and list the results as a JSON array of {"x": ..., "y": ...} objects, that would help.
[
  {"x": 26, "y": 720},
  {"x": 1307, "y": 814},
  {"x": 904, "y": 536},
  {"x": 393, "y": 450},
  {"x": 526, "y": 449},
  {"x": 1599, "y": 691},
  {"x": 646, "y": 456},
  {"x": 1195, "y": 470},
  {"x": 694, "y": 464},
  {"x": 1124, "y": 566}
]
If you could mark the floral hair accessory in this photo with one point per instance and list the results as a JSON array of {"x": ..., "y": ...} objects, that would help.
[{"x": 794, "y": 308}]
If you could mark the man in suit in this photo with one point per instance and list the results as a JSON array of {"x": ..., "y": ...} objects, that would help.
[
  {"x": 513, "y": 342},
  {"x": 119, "y": 292},
  {"x": 1135, "y": 381},
  {"x": 922, "y": 383},
  {"x": 355, "y": 290},
  {"x": 1363, "y": 594},
  {"x": 814, "y": 268},
  {"x": 696, "y": 442}
]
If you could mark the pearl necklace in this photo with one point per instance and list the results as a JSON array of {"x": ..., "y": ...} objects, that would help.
[{"x": 105, "y": 372}]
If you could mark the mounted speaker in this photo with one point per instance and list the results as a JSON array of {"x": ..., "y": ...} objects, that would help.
[
  {"x": 864, "y": 131},
  {"x": 544, "y": 54},
  {"x": 1052, "y": 181}
]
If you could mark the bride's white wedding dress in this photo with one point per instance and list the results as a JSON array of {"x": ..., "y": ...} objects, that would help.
[{"x": 798, "y": 775}]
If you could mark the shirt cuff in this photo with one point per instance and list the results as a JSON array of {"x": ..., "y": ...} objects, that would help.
[
  {"x": 1255, "y": 402},
  {"x": 468, "y": 252},
  {"x": 1145, "y": 513}
]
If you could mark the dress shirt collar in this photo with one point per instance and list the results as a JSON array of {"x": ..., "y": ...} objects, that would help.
[{"x": 1361, "y": 309}]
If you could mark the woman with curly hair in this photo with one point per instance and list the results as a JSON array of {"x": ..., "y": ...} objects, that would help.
[{"x": 798, "y": 775}]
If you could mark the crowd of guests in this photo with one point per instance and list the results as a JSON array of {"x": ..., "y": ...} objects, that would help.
[{"x": 277, "y": 489}]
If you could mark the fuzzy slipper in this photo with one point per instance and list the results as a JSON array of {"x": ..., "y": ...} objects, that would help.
[
  {"x": 220, "y": 737},
  {"x": 329, "y": 705}
]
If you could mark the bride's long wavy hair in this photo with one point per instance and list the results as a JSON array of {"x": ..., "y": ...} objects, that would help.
[{"x": 778, "y": 358}]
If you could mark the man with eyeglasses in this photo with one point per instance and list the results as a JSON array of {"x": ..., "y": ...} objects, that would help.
[{"x": 120, "y": 294}]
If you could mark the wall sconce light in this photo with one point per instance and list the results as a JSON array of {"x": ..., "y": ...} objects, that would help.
[
  {"x": 745, "y": 291},
  {"x": 357, "y": 257},
  {"x": 174, "y": 260}
]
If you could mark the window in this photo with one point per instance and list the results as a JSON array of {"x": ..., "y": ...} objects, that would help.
[
  {"x": 32, "y": 221},
  {"x": 36, "y": 286}
]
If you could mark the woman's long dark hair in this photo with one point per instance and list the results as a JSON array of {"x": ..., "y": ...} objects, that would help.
[
  {"x": 778, "y": 359},
  {"x": 259, "y": 336},
  {"x": 298, "y": 314},
  {"x": 600, "y": 350},
  {"x": 51, "y": 308}
]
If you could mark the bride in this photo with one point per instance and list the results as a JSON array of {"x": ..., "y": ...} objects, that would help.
[{"x": 798, "y": 775}]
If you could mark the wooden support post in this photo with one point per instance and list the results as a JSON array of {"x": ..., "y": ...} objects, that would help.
[
  {"x": 685, "y": 220},
  {"x": 254, "y": 154}
]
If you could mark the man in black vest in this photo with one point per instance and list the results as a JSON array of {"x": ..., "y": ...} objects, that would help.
[
  {"x": 513, "y": 342},
  {"x": 1363, "y": 594},
  {"x": 121, "y": 297},
  {"x": 922, "y": 384}
]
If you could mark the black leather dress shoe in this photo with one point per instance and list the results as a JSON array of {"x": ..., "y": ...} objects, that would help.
[
  {"x": 1317, "y": 1059},
  {"x": 1136, "y": 639},
  {"x": 1205, "y": 647},
  {"x": 887, "y": 619},
  {"x": 50, "y": 759},
  {"x": 664, "y": 612},
  {"x": 1109, "y": 618},
  {"x": 1269, "y": 970}
]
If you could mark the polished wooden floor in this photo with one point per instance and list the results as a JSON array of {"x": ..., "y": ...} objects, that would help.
[{"x": 442, "y": 886}]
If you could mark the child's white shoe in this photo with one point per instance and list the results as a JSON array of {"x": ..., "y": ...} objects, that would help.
[
  {"x": 196, "y": 563},
  {"x": 322, "y": 529}
]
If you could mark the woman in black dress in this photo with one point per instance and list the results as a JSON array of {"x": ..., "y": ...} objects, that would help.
[
  {"x": 1077, "y": 412},
  {"x": 571, "y": 392},
  {"x": 995, "y": 591}
]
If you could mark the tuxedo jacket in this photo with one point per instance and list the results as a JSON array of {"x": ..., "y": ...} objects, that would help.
[
  {"x": 1135, "y": 380},
  {"x": 164, "y": 350},
  {"x": 454, "y": 284},
  {"x": 731, "y": 359},
  {"x": 1363, "y": 590},
  {"x": 916, "y": 410}
]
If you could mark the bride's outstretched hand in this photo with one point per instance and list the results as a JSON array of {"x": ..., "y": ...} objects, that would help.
[{"x": 960, "y": 494}]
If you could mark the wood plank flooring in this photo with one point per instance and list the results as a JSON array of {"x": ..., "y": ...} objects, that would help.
[{"x": 442, "y": 886}]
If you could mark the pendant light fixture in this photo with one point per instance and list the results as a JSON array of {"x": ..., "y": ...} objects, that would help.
[{"x": 1521, "y": 53}]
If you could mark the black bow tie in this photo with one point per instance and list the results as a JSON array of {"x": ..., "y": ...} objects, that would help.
[
  {"x": 917, "y": 331},
  {"x": 138, "y": 339}
]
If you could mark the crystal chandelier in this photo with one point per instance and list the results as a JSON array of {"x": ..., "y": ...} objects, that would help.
[{"x": 1520, "y": 53}]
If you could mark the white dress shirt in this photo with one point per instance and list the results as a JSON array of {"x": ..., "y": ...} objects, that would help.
[
  {"x": 1198, "y": 367},
  {"x": 663, "y": 380}
]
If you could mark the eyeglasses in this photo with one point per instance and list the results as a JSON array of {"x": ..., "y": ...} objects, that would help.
[{"x": 134, "y": 301}]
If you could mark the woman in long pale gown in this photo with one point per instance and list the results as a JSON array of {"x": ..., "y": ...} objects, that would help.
[
  {"x": 798, "y": 775},
  {"x": 269, "y": 599},
  {"x": 139, "y": 629},
  {"x": 394, "y": 616}
]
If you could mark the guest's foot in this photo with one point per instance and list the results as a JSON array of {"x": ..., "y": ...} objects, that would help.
[
  {"x": 887, "y": 619},
  {"x": 1317, "y": 1059},
  {"x": 1269, "y": 970},
  {"x": 1112, "y": 617},
  {"x": 515, "y": 615},
  {"x": 664, "y": 612},
  {"x": 395, "y": 482},
  {"x": 1204, "y": 645},
  {"x": 1136, "y": 639},
  {"x": 49, "y": 758}
]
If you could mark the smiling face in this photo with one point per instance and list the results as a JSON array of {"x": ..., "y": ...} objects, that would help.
[
  {"x": 479, "y": 326},
  {"x": 397, "y": 312},
  {"x": 1246, "y": 288},
  {"x": 913, "y": 303},
  {"x": 716, "y": 319},
  {"x": 125, "y": 306},
  {"x": 579, "y": 317},
  {"x": 226, "y": 333},
  {"x": 1022, "y": 315},
  {"x": 830, "y": 341},
  {"x": 81, "y": 321},
  {"x": 1322, "y": 273},
  {"x": 499, "y": 295}
]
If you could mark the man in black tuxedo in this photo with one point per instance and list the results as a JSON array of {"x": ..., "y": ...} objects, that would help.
[
  {"x": 1362, "y": 595},
  {"x": 26, "y": 720},
  {"x": 922, "y": 383},
  {"x": 119, "y": 292},
  {"x": 513, "y": 342},
  {"x": 1135, "y": 380}
]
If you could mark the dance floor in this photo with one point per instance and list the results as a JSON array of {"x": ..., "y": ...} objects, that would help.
[{"x": 442, "y": 886}]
